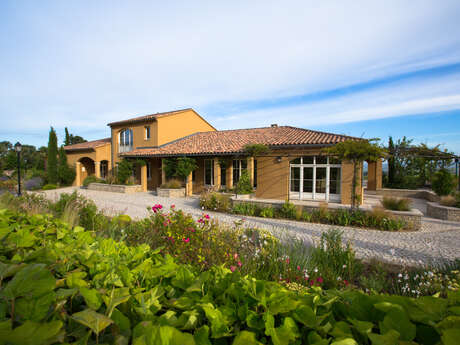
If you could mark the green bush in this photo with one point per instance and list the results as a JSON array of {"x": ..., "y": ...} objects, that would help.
[
  {"x": 288, "y": 210},
  {"x": 124, "y": 171},
  {"x": 49, "y": 186},
  {"x": 246, "y": 208},
  {"x": 267, "y": 212},
  {"x": 172, "y": 184},
  {"x": 214, "y": 201},
  {"x": 244, "y": 184},
  {"x": 396, "y": 204},
  {"x": 443, "y": 182},
  {"x": 91, "y": 179}
]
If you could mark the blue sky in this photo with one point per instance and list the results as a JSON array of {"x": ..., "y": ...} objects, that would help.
[{"x": 360, "y": 68}]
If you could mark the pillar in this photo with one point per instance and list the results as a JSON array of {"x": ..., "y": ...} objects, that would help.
[
  {"x": 216, "y": 174},
  {"x": 229, "y": 173},
  {"x": 251, "y": 170},
  {"x": 144, "y": 178},
  {"x": 163, "y": 172},
  {"x": 78, "y": 174},
  {"x": 97, "y": 169},
  {"x": 189, "y": 185},
  {"x": 374, "y": 175}
]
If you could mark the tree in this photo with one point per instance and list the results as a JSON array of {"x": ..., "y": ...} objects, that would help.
[
  {"x": 391, "y": 161},
  {"x": 65, "y": 172},
  {"x": 356, "y": 151},
  {"x": 71, "y": 139},
  {"x": 52, "y": 169},
  {"x": 443, "y": 182},
  {"x": 67, "y": 137},
  {"x": 185, "y": 166},
  {"x": 124, "y": 171}
]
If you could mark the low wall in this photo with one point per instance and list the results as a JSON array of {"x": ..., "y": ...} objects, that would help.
[
  {"x": 413, "y": 217},
  {"x": 171, "y": 193},
  {"x": 115, "y": 188},
  {"x": 438, "y": 211},
  {"x": 408, "y": 193}
]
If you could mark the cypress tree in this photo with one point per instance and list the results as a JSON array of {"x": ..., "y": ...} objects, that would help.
[
  {"x": 391, "y": 162},
  {"x": 51, "y": 168},
  {"x": 65, "y": 172},
  {"x": 67, "y": 137}
]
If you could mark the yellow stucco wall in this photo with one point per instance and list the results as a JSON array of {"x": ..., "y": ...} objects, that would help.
[
  {"x": 273, "y": 178},
  {"x": 374, "y": 175},
  {"x": 347, "y": 182}
]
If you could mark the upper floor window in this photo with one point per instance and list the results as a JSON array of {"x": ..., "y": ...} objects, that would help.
[
  {"x": 125, "y": 140},
  {"x": 147, "y": 132}
]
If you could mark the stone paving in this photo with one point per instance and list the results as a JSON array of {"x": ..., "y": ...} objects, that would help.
[{"x": 436, "y": 242}]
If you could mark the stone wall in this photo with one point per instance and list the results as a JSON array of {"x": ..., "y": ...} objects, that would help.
[
  {"x": 408, "y": 193},
  {"x": 171, "y": 193},
  {"x": 438, "y": 211},
  {"x": 115, "y": 188}
]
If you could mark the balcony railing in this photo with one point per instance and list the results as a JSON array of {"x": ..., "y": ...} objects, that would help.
[{"x": 125, "y": 148}]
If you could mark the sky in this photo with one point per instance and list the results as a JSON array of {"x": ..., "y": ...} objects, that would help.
[{"x": 362, "y": 68}]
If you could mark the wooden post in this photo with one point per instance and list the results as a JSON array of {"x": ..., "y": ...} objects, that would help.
[
  {"x": 144, "y": 178},
  {"x": 189, "y": 185},
  {"x": 97, "y": 169},
  {"x": 251, "y": 170},
  {"x": 229, "y": 172},
  {"x": 78, "y": 174},
  {"x": 163, "y": 172},
  {"x": 216, "y": 174}
]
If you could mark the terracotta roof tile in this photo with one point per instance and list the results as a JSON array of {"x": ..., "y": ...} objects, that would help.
[
  {"x": 148, "y": 117},
  {"x": 88, "y": 145},
  {"x": 233, "y": 141}
]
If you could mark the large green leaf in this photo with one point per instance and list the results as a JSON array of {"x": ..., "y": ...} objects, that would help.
[
  {"x": 21, "y": 284},
  {"x": 201, "y": 336},
  {"x": 76, "y": 280},
  {"x": 451, "y": 336},
  {"x": 115, "y": 298},
  {"x": 281, "y": 302},
  {"x": 35, "y": 308},
  {"x": 284, "y": 334},
  {"x": 92, "y": 297},
  {"x": 33, "y": 333},
  {"x": 150, "y": 334},
  {"x": 305, "y": 315},
  {"x": 389, "y": 338},
  {"x": 246, "y": 338},
  {"x": 183, "y": 279},
  {"x": 397, "y": 319},
  {"x": 22, "y": 238},
  {"x": 219, "y": 326},
  {"x": 95, "y": 321}
]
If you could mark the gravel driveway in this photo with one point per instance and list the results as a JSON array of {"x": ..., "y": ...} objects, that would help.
[{"x": 437, "y": 241}]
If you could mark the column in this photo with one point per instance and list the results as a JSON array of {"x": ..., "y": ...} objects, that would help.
[
  {"x": 78, "y": 174},
  {"x": 189, "y": 185},
  {"x": 97, "y": 169},
  {"x": 216, "y": 174},
  {"x": 163, "y": 173},
  {"x": 229, "y": 172},
  {"x": 251, "y": 170},
  {"x": 144, "y": 178}
]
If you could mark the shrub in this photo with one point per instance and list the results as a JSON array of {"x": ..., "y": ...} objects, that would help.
[
  {"x": 267, "y": 212},
  {"x": 124, "y": 171},
  {"x": 246, "y": 208},
  {"x": 448, "y": 200},
  {"x": 91, "y": 179},
  {"x": 184, "y": 166},
  {"x": 172, "y": 184},
  {"x": 49, "y": 186},
  {"x": 443, "y": 182},
  {"x": 396, "y": 204},
  {"x": 288, "y": 210},
  {"x": 66, "y": 173},
  {"x": 244, "y": 184},
  {"x": 215, "y": 202}
]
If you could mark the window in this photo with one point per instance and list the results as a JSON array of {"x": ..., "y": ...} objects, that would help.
[
  {"x": 149, "y": 171},
  {"x": 147, "y": 132},
  {"x": 103, "y": 169},
  {"x": 223, "y": 175},
  {"x": 239, "y": 165},
  {"x": 125, "y": 140},
  {"x": 208, "y": 172}
]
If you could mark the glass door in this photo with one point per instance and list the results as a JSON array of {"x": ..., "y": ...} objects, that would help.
[
  {"x": 307, "y": 183},
  {"x": 295, "y": 183},
  {"x": 320, "y": 184}
]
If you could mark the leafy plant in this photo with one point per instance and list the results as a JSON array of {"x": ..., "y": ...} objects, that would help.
[
  {"x": 172, "y": 184},
  {"x": 396, "y": 204},
  {"x": 66, "y": 173},
  {"x": 185, "y": 166},
  {"x": 448, "y": 200},
  {"x": 49, "y": 186},
  {"x": 267, "y": 212},
  {"x": 247, "y": 209},
  {"x": 254, "y": 150},
  {"x": 215, "y": 202},
  {"x": 288, "y": 210},
  {"x": 244, "y": 184},
  {"x": 124, "y": 171},
  {"x": 443, "y": 182},
  {"x": 91, "y": 179}
]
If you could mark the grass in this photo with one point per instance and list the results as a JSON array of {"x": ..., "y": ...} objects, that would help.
[
  {"x": 396, "y": 204},
  {"x": 172, "y": 184}
]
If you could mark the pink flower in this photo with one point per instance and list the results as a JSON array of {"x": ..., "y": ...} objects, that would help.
[
  {"x": 232, "y": 268},
  {"x": 172, "y": 206},
  {"x": 312, "y": 282},
  {"x": 186, "y": 240},
  {"x": 165, "y": 223},
  {"x": 288, "y": 261},
  {"x": 320, "y": 280},
  {"x": 156, "y": 208},
  {"x": 240, "y": 264},
  {"x": 298, "y": 268},
  {"x": 235, "y": 256},
  {"x": 200, "y": 220},
  {"x": 206, "y": 216}
]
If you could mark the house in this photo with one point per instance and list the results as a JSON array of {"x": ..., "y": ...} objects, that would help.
[{"x": 294, "y": 168}]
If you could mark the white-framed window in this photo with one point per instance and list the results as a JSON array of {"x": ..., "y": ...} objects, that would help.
[
  {"x": 239, "y": 165},
  {"x": 147, "y": 132},
  {"x": 208, "y": 172},
  {"x": 125, "y": 140},
  {"x": 316, "y": 178},
  {"x": 149, "y": 171}
]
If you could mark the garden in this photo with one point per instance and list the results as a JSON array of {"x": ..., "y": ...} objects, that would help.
[{"x": 173, "y": 279}]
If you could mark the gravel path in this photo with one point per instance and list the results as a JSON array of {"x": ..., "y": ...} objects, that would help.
[{"x": 437, "y": 241}]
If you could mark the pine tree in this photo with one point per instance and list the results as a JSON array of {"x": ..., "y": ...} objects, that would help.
[
  {"x": 391, "y": 162},
  {"x": 67, "y": 137},
  {"x": 52, "y": 169}
]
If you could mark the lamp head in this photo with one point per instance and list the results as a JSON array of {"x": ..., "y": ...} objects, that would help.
[{"x": 18, "y": 147}]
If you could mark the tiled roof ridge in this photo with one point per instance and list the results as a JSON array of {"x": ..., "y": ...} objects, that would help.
[
  {"x": 88, "y": 144},
  {"x": 322, "y": 132},
  {"x": 147, "y": 116}
]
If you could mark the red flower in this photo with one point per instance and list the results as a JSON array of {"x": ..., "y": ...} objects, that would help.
[
  {"x": 172, "y": 206},
  {"x": 312, "y": 282},
  {"x": 206, "y": 216},
  {"x": 320, "y": 280},
  {"x": 346, "y": 282},
  {"x": 288, "y": 261},
  {"x": 240, "y": 264},
  {"x": 298, "y": 268},
  {"x": 232, "y": 268},
  {"x": 186, "y": 240}
]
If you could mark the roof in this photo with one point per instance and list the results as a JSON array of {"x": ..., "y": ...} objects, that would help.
[
  {"x": 233, "y": 141},
  {"x": 89, "y": 145},
  {"x": 152, "y": 117}
]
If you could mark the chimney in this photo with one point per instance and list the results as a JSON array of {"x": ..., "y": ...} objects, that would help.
[{"x": 274, "y": 125}]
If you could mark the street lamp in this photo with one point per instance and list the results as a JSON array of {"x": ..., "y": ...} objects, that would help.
[{"x": 18, "y": 148}]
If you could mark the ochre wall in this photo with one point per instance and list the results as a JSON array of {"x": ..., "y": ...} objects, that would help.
[
  {"x": 98, "y": 154},
  {"x": 272, "y": 178},
  {"x": 198, "y": 184},
  {"x": 176, "y": 126},
  {"x": 374, "y": 175},
  {"x": 347, "y": 182}
]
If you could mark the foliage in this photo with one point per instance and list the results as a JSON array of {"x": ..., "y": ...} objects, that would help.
[
  {"x": 246, "y": 208},
  {"x": 91, "y": 179},
  {"x": 254, "y": 150},
  {"x": 356, "y": 151},
  {"x": 124, "y": 171},
  {"x": 71, "y": 139},
  {"x": 443, "y": 182},
  {"x": 172, "y": 184},
  {"x": 66, "y": 173},
  {"x": 215, "y": 202},
  {"x": 185, "y": 166},
  {"x": 51, "y": 165},
  {"x": 244, "y": 184},
  {"x": 10, "y": 185},
  {"x": 169, "y": 166},
  {"x": 448, "y": 200},
  {"x": 88, "y": 289},
  {"x": 396, "y": 204},
  {"x": 267, "y": 212},
  {"x": 49, "y": 186},
  {"x": 288, "y": 210}
]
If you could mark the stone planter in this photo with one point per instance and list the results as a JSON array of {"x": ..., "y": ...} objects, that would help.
[
  {"x": 171, "y": 193},
  {"x": 438, "y": 211},
  {"x": 408, "y": 193},
  {"x": 115, "y": 188}
]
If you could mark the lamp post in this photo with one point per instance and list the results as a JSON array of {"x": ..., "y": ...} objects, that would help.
[{"x": 18, "y": 148}]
